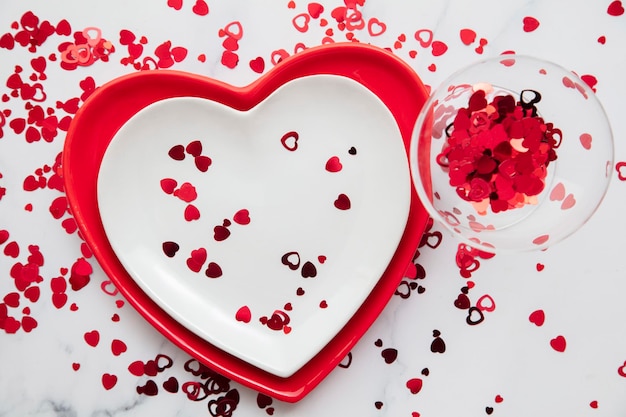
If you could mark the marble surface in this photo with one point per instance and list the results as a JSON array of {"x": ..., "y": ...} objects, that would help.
[{"x": 552, "y": 341}]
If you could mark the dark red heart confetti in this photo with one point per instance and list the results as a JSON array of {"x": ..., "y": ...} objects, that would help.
[
  {"x": 220, "y": 233},
  {"x": 291, "y": 260},
  {"x": 309, "y": 270},
  {"x": 202, "y": 162},
  {"x": 177, "y": 152},
  {"x": 170, "y": 249},
  {"x": 343, "y": 202},
  {"x": 171, "y": 385},
  {"x": 213, "y": 270}
]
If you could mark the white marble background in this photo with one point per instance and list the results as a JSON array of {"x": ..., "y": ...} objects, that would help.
[{"x": 581, "y": 288}]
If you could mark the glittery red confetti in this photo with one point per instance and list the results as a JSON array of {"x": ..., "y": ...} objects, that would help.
[
  {"x": 615, "y": 8},
  {"x": 530, "y": 24},
  {"x": 497, "y": 153}
]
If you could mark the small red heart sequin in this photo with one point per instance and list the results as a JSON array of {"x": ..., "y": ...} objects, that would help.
[
  {"x": 243, "y": 314},
  {"x": 333, "y": 164},
  {"x": 558, "y": 343},
  {"x": 537, "y": 317},
  {"x": 242, "y": 217},
  {"x": 343, "y": 202},
  {"x": 530, "y": 24},
  {"x": 414, "y": 385},
  {"x": 213, "y": 270},
  {"x": 468, "y": 36}
]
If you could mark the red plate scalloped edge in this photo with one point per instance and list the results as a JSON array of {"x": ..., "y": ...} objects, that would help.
[{"x": 111, "y": 105}]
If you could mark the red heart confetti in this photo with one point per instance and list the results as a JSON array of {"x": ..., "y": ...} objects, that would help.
[
  {"x": 558, "y": 343},
  {"x": 242, "y": 217},
  {"x": 12, "y": 299},
  {"x": 168, "y": 185},
  {"x": 540, "y": 240},
  {"x": 28, "y": 324},
  {"x": 175, "y": 4},
  {"x": 136, "y": 368},
  {"x": 620, "y": 167},
  {"x": 177, "y": 152},
  {"x": 92, "y": 338},
  {"x": 257, "y": 65},
  {"x": 438, "y": 48},
  {"x": 290, "y": 141},
  {"x": 196, "y": 259},
  {"x": 202, "y": 162},
  {"x": 558, "y": 192},
  {"x": 468, "y": 36},
  {"x": 201, "y": 8},
  {"x": 424, "y": 37},
  {"x": 4, "y": 236},
  {"x": 486, "y": 303},
  {"x": 243, "y": 314},
  {"x": 118, "y": 347},
  {"x": 375, "y": 27},
  {"x": 504, "y": 167},
  {"x": 301, "y": 22},
  {"x": 309, "y": 270},
  {"x": 108, "y": 381},
  {"x": 414, "y": 385},
  {"x": 530, "y": 24},
  {"x": 333, "y": 164},
  {"x": 537, "y": 318},
  {"x": 193, "y": 148},
  {"x": 615, "y": 8},
  {"x": 220, "y": 233},
  {"x": 315, "y": 10},
  {"x": 187, "y": 192},
  {"x": 389, "y": 355},
  {"x": 585, "y": 140},
  {"x": 568, "y": 202},
  {"x": 191, "y": 213}
]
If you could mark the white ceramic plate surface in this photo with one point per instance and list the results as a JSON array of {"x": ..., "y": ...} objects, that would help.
[{"x": 261, "y": 231}]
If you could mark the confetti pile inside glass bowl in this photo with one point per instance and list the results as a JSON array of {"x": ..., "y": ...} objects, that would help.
[
  {"x": 497, "y": 153},
  {"x": 511, "y": 153}
]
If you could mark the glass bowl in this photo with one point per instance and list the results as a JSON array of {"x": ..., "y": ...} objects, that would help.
[{"x": 512, "y": 153}]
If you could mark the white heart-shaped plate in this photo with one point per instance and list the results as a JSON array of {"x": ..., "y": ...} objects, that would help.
[{"x": 261, "y": 231}]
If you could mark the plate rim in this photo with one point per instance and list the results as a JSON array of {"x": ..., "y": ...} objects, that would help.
[{"x": 363, "y": 63}]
